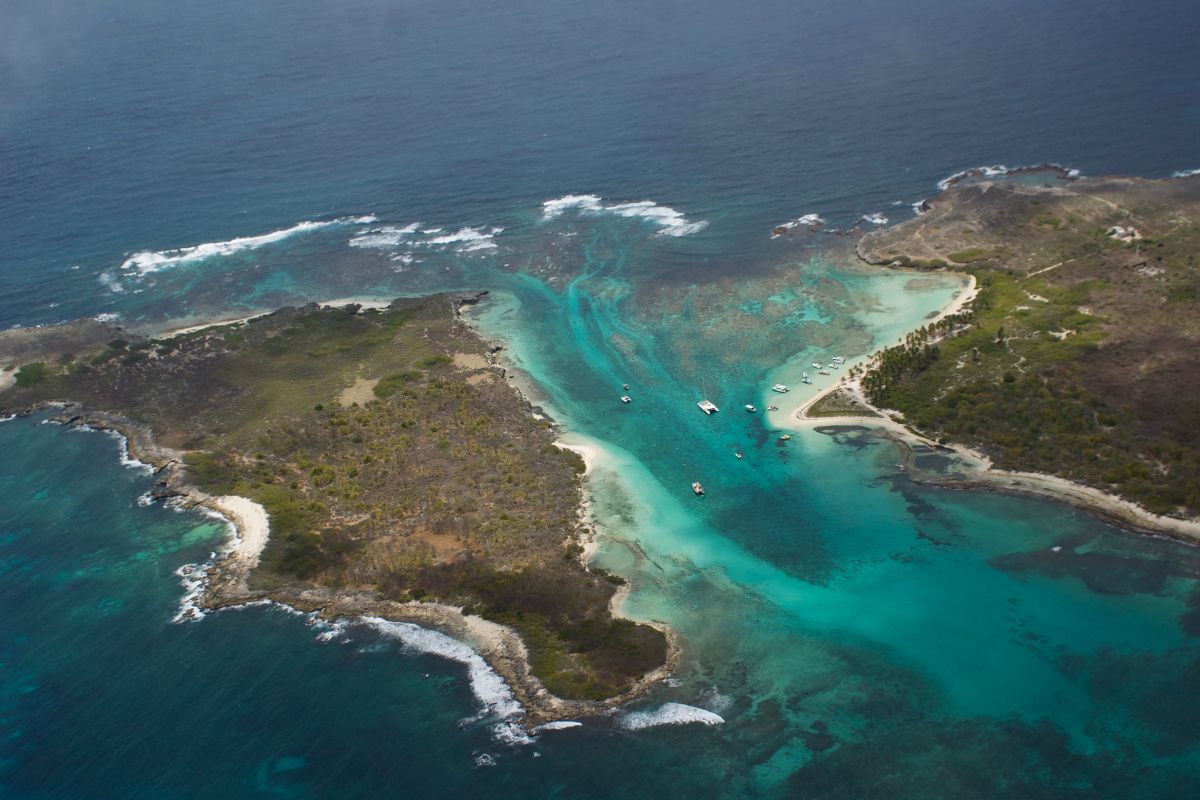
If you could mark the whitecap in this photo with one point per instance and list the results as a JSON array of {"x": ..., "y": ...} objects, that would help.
[
  {"x": 668, "y": 714},
  {"x": 669, "y": 221},
  {"x": 154, "y": 260},
  {"x": 387, "y": 236},
  {"x": 581, "y": 202},
  {"x": 469, "y": 238}
]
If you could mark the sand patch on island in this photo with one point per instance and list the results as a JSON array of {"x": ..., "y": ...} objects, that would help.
[
  {"x": 470, "y": 361},
  {"x": 362, "y": 391}
]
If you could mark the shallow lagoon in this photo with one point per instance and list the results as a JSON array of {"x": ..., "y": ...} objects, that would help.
[{"x": 860, "y": 636}]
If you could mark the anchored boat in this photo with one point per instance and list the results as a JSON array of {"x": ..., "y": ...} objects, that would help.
[
  {"x": 626, "y": 398},
  {"x": 697, "y": 488},
  {"x": 779, "y": 387},
  {"x": 750, "y": 408},
  {"x": 707, "y": 406}
]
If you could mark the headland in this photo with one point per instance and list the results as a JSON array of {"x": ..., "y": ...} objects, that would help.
[{"x": 375, "y": 463}]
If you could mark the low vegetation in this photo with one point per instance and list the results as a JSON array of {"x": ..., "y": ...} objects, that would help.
[
  {"x": 1079, "y": 356},
  {"x": 438, "y": 487}
]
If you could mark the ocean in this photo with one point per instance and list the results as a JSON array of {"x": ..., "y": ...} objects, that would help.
[{"x": 611, "y": 174}]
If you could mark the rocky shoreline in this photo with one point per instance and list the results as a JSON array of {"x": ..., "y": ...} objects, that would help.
[{"x": 224, "y": 582}]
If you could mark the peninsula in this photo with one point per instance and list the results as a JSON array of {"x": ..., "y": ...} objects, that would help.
[
  {"x": 1076, "y": 359},
  {"x": 400, "y": 474}
]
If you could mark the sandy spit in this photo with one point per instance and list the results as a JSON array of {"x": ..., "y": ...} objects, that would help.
[{"x": 1109, "y": 507}]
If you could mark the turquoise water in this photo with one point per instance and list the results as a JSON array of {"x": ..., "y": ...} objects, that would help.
[
  {"x": 859, "y": 636},
  {"x": 856, "y": 633}
]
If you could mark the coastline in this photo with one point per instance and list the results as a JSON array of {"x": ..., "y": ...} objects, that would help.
[
  {"x": 181, "y": 327},
  {"x": 1108, "y": 507},
  {"x": 223, "y": 582}
]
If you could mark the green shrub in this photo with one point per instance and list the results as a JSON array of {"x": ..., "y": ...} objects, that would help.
[
  {"x": 32, "y": 374},
  {"x": 391, "y": 384}
]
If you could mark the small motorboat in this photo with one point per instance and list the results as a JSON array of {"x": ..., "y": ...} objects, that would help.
[
  {"x": 772, "y": 408},
  {"x": 738, "y": 456},
  {"x": 816, "y": 365},
  {"x": 781, "y": 388},
  {"x": 697, "y": 488},
  {"x": 625, "y": 386},
  {"x": 822, "y": 372},
  {"x": 785, "y": 437},
  {"x": 750, "y": 408},
  {"x": 626, "y": 398}
]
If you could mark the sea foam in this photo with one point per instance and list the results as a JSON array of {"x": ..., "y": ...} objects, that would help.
[
  {"x": 464, "y": 240},
  {"x": 154, "y": 260},
  {"x": 669, "y": 221},
  {"x": 387, "y": 236},
  {"x": 668, "y": 714},
  {"x": 468, "y": 239},
  {"x": 558, "y": 725},
  {"x": 996, "y": 170},
  {"x": 1185, "y": 173},
  {"x": 486, "y": 684}
]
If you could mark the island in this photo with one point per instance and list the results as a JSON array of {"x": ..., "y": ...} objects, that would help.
[
  {"x": 1070, "y": 364},
  {"x": 376, "y": 462}
]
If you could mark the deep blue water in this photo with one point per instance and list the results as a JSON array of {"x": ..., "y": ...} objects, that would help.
[{"x": 861, "y": 636}]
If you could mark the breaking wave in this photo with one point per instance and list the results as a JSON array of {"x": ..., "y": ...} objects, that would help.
[
  {"x": 668, "y": 714},
  {"x": 154, "y": 260},
  {"x": 1185, "y": 173},
  {"x": 997, "y": 170},
  {"x": 465, "y": 240},
  {"x": 387, "y": 236},
  {"x": 468, "y": 239},
  {"x": 486, "y": 684},
  {"x": 669, "y": 221}
]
